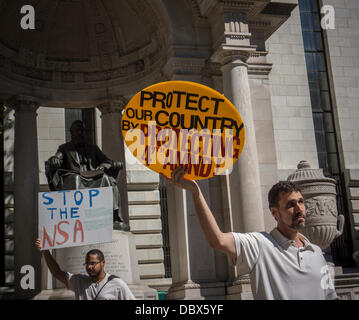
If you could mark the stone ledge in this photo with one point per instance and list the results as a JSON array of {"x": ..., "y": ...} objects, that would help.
[
  {"x": 141, "y": 292},
  {"x": 143, "y": 197},
  {"x": 56, "y": 294},
  {"x": 162, "y": 284},
  {"x": 142, "y": 176},
  {"x": 354, "y": 193},
  {"x": 144, "y": 241},
  {"x": 354, "y": 174},
  {"x": 146, "y": 226},
  {"x": 197, "y": 291},
  {"x": 154, "y": 255},
  {"x": 145, "y": 211},
  {"x": 151, "y": 270}
]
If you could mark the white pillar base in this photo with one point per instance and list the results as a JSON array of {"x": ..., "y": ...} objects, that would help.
[{"x": 190, "y": 290}]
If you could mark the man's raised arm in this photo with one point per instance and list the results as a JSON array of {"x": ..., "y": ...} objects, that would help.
[
  {"x": 218, "y": 240},
  {"x": 52, "y": 264}
]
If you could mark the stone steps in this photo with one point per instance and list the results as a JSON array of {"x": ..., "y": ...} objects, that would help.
[
  {"x": 354, "y": 202},
  {"x": 347, "y": 286},
  {"x": 145, "y": 222},
  {"x": 353, "y": 178}
]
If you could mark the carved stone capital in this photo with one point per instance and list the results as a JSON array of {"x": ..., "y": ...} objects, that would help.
[
  {"x": 23, "y": 104},
  {"x": 225, "y": 56},
  {"x": 115, "y": 106}
]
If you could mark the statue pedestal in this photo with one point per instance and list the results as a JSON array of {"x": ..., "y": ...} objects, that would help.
[{"x": 121, "y": 260}]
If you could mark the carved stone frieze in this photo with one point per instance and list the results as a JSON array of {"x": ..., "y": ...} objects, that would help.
[
  {"x": 207, "y": 5},
  {"x": 188, "y": 66},
  {"x": 321, "y": 206},
  {"x": 258, "y": 24}
]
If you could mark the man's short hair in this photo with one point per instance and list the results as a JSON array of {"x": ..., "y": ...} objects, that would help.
[
  {"x": 96, "y": 252},
  {"x": 281, "y": 186}
]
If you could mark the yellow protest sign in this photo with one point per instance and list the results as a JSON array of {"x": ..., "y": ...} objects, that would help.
[{"x": 181, "y": 123}]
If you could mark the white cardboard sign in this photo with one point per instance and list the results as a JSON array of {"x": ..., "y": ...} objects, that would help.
[{"x": 70, "y": 218}]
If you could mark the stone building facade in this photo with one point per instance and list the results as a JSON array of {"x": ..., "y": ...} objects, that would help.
[{"x": 295, "y": 84}]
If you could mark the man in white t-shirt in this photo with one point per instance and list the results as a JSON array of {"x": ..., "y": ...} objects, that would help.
[
  {"x": 97, "y": 285},
  {"x": 283, "y": 264}
]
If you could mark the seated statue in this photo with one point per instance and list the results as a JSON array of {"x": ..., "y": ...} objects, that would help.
[{"x": 81, "y": 165}]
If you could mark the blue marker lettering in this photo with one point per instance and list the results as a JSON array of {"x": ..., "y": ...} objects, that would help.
[
  {"x": 63, "y": 212},
  {"x": 64, "y": 193},
  {"x": 78, "y": 202},
  {"x": 52, "y": 212},
  {"x": 93, "y": 193},
  {"x": 74, "y": 211},
  {"x": 49, "y": 200}
]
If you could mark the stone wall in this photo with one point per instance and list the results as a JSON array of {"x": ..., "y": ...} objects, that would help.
[
  {"x": 267, "y": 157},
  {"x": 291, "y": 106},
  {"x": 343, "y": 45}
]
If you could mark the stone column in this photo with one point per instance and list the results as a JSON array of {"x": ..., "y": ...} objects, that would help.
[
  {"x": 113, "y": 145},
  {"x": 198, "y": 272},
  {"x": 178, "y": 234},
  {"x": 245, "y": 212},
  {"x": 26, "y": 187},
  {"x": 245, "y": 186}
]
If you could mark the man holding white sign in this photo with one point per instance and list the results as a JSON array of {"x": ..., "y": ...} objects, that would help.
[
  {"x": 97, "y": 285},
  {"x": 69, "y": 218}
]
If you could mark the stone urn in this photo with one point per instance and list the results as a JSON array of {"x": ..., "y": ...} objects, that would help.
[{"x": 323, "y": 224}]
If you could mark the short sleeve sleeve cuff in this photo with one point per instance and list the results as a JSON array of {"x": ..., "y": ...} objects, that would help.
[{"x": 247, "y": 249}]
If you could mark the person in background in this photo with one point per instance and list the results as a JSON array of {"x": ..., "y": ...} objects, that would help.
[{"x": 96, "y": 285}]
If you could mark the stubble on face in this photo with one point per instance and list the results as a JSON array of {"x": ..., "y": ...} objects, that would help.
[
  {"x": 297, "y": 218},
  {"x": 93, "y": 273},
  {"x": 298, "y": 221}
]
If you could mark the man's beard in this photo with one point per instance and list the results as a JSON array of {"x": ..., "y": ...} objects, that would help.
[
  {"x": 95, "y": 275},
  {"x": 295, "y": 225}
]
